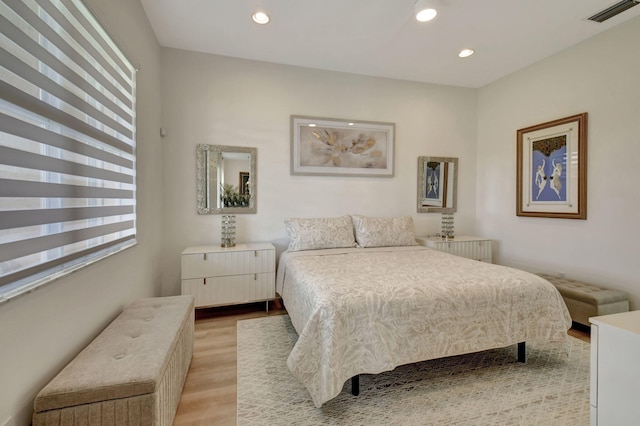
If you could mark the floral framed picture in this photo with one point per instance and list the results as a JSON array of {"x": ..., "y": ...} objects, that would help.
[
  {"x": 328, "y": 146},
  {"x": 552, "y": 169}
]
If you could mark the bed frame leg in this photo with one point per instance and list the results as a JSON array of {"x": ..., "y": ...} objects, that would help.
[
  {"x": 355, "y": 385},
  {"x": 522, "y": 352}
]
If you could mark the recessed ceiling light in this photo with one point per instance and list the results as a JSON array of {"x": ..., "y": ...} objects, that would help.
[
  {"x": 260, "y": 18},
  {"x": 465, "y": 53},
  {"x": 311, "y": 125},
  {"x": 351, "y": 124},
  {"x": 426, "y": 15},
  {"x": 425, "y": 10}
]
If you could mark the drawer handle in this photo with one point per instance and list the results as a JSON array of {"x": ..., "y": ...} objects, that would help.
[
  {"x": 255, "y": 253},
  {"x": 205, "y": 256},
  {"x": 255, "y": 277},
  {"x": 204, "y": 281}
]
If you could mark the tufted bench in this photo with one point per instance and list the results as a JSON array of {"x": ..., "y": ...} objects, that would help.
[
  {"x": 587, "y": 300},
  {"x": 131, "y": 373}
]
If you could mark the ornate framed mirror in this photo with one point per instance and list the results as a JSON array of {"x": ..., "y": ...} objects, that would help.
[
  {"x": 226, "y": 179},
  {"x": 437, "y": 184}
]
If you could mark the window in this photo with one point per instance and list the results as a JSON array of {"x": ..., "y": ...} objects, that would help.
[{"x": 67, "y": 143}]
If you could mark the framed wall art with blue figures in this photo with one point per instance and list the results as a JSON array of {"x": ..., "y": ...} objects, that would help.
[
  {"x": 552, "y": 169},
  {"x": 435, "y": 188}
]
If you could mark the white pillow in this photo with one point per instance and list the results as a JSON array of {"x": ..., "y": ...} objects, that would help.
[
  {"x": 320, "y": 233},
  {"x": 384, "y": 232}
]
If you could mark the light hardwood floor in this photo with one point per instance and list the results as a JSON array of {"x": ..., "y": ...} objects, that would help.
[{"x": 209, "y": 394}]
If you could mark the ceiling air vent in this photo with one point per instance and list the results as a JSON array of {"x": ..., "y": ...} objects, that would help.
[{"x": 612, "y": 11}]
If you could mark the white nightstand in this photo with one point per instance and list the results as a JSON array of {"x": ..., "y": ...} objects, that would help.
[
  {"x": 461, "y": 245},
  {"x": 218, "y": 276}
]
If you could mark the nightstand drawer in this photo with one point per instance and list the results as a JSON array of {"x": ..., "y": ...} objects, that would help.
[
  {"x": 465, "y": 246},
  {"x": 213, "y": 291},
  {"x": 228, "y": 263}
]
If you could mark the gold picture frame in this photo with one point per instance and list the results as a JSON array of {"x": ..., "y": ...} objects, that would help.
[{"x": 551, "y": 171}]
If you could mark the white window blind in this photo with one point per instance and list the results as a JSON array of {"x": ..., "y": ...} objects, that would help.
[{"x": 67, "y": 143}]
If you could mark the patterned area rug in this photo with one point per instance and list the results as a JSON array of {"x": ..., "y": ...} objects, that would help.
[{"x": 485, "y": 388}]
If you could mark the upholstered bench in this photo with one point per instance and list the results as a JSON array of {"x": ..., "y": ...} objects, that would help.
[
  {"x": 587, "y": 300},
  {"x": 131, "y": 373}
]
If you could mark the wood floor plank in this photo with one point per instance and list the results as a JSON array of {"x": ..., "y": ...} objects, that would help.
[{"x": 209, "y": 394}]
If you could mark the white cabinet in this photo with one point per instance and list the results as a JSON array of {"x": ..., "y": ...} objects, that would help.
[
  {"x": 615, "y": 369},
  {"x": 461, "y": 245},
  {"x": 218, "y": 276}
]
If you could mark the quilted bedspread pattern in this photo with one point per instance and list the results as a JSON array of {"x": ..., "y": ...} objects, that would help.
[{"x": 360, "y": 311}]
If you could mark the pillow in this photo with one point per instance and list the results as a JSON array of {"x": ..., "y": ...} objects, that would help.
[
  {"x": 320, "y": 233},
  {"x": 384, "y": 232}
]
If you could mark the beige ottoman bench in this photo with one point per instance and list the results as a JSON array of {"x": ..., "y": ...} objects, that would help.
[
  {"x": 587, "y": 300},
  {"x": 131, "y": 373}
]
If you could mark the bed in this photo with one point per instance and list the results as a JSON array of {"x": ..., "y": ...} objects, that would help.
[{"x": 363, "y": 307}]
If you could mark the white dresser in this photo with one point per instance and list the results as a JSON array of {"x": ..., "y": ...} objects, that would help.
[
  {"x": 462, "y": 245},
  {"x": 615, "y": 369},
  {"x": 218, "y": 276}
]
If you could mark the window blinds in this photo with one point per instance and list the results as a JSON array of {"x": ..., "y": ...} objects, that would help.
[{"x": 67, "y": 142}]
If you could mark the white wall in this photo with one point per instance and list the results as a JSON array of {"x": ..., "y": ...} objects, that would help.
[
  {"x": 41, "y": 331},
  {"x": 599, "y": 76},
  {"x": 225, "y": 101}
]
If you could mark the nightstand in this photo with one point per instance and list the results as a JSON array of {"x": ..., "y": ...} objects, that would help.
[
  {"x": 218, "y": 276},
  {"x": 461, "y": 245}
]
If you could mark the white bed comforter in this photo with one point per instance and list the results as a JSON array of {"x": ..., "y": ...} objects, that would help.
[{"x": 361, "y": 311}]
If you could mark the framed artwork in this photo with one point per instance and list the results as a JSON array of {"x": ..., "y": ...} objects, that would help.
[
  {"x": 328, "y": 146},
  {"x": 436, "y": 175},
  {"x": 243, "y": 185},
  {"x": 437, "y": 184},
  {"x": 552, "y": 169}
]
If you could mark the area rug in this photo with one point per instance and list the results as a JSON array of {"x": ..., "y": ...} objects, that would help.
[{"x": 484, "y": 388}]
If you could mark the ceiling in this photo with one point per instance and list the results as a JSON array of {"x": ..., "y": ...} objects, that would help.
[{"x": 381, "y": 37}]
